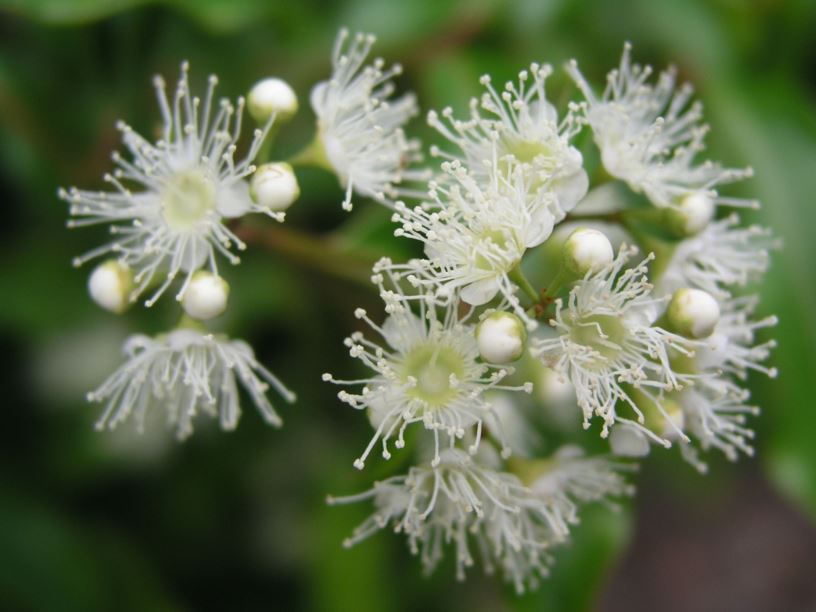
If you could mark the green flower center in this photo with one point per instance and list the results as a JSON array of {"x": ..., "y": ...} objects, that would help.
[
  {"x": 188, "y": 197},
  {"x": 432, "y": 365},
  {"x": 492, "y": 241},
  {"x": 604, "y": 333},
  {"x": 526, "y": 151}
]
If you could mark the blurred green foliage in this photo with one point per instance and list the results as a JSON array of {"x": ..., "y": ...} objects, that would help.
[{"x": 237, "y": 521}]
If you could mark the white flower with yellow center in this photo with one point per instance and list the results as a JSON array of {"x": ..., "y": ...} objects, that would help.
[
  {"x": 186, "y": 372},
  {"x": 360, "y": 127},
  {"x": 476, "y": 233},
  {"x": 172, "y": 197},
  {"x": 461, "y": 503},
  {"x": 560, "y": 483},
  {"x": 469, "y": 502},
  {"x": 731, "y": 348},
  {"x": 608, "y": 347},
  {"x": 715, "y": 414},
  {"x": 714, "y": 411},
  {"x": 427, "y": 372},
  {"x": 649, "y": 136},
  {"x": 521, "y": 124}
]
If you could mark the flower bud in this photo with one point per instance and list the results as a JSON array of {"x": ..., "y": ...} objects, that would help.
[
  {"x": 205, "y": 296},
  {"x": 628, "y": 442},
  {"x": 693, "y": 313},
  {"x": 586, "y": 250},
  {"x": 274, "y": 186},
  {"x": 691, "y": 215},
  {"x": 269, "y": 96},
  {"x": 501, "y": 337},
  {"x": 110, "y": 285}
]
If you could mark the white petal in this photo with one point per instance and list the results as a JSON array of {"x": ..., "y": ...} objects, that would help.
[
  {"x": 233, "y": 200},
  {"x": 480, "y": 292},
  {"x": 628, "y": 442}
]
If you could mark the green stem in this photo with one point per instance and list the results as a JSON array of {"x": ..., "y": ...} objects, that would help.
[
  {"x": 265, "y": 151},
  {"x": 651, "y": 244},
  {"x": 313, "y": 154},
  {"x": 556, "y": 283},
  {"x": 652, "y": 215},
  {"x": 322, "y": 254},
  {"x": 517, "y": 276},
  {"x": 610, "y": 217},
  {"x": 188, "y": 322},
  {"x": 601, "y": 177}
]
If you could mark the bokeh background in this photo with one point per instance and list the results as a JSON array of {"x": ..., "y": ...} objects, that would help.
[{"x": 237, "y": 521}]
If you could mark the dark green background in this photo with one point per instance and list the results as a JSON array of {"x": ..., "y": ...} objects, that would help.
[{"x": 237, "y": 521}]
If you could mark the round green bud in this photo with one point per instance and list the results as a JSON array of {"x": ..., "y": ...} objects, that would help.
[
  {"x": 693, "y": 313},
  {"x": 691, "y": 215}
]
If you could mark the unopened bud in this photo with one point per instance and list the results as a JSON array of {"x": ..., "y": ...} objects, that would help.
[
  {"x": 501, "y": 337},
  {"x": 274, "y": 186},
  {"x": 110, "y": 285},
  {"x": 269, "y": 96},
  {"x": 206, "y": 296},
  {"x": 691, "y": 215},
  {"x": 586, "y": 250},
  {"x": 693, "y": 313}
]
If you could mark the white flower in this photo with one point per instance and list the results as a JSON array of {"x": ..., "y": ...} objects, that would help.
[
  {"x": 467, "y": 504},
  {"x": 186, "y": 372},
  {"x": 460, "y": 503},
  {"x": 427, "y": 372},
  {"x": 521, "y": 124},
  {"x": 476, "y": 233},
  {"x": 359, "y": 128},
  {"x": 715, "y": 415},
  {"x": 609, "y": 349},
  {"x": 172, "y": 197},
  {"x": 715, "y": 409},
  {"x": 561, "y": 482},
  {"x": 649, "y": 135},
  {"x": 719, "y": 257},
  {"x": 731, "y": 349}
]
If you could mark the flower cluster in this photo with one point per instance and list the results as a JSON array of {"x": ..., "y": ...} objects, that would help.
[
  {"x": 517, "y": 267},
  {"x": 655, "y": 347},
  {"x": 169, "y": 212}
]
